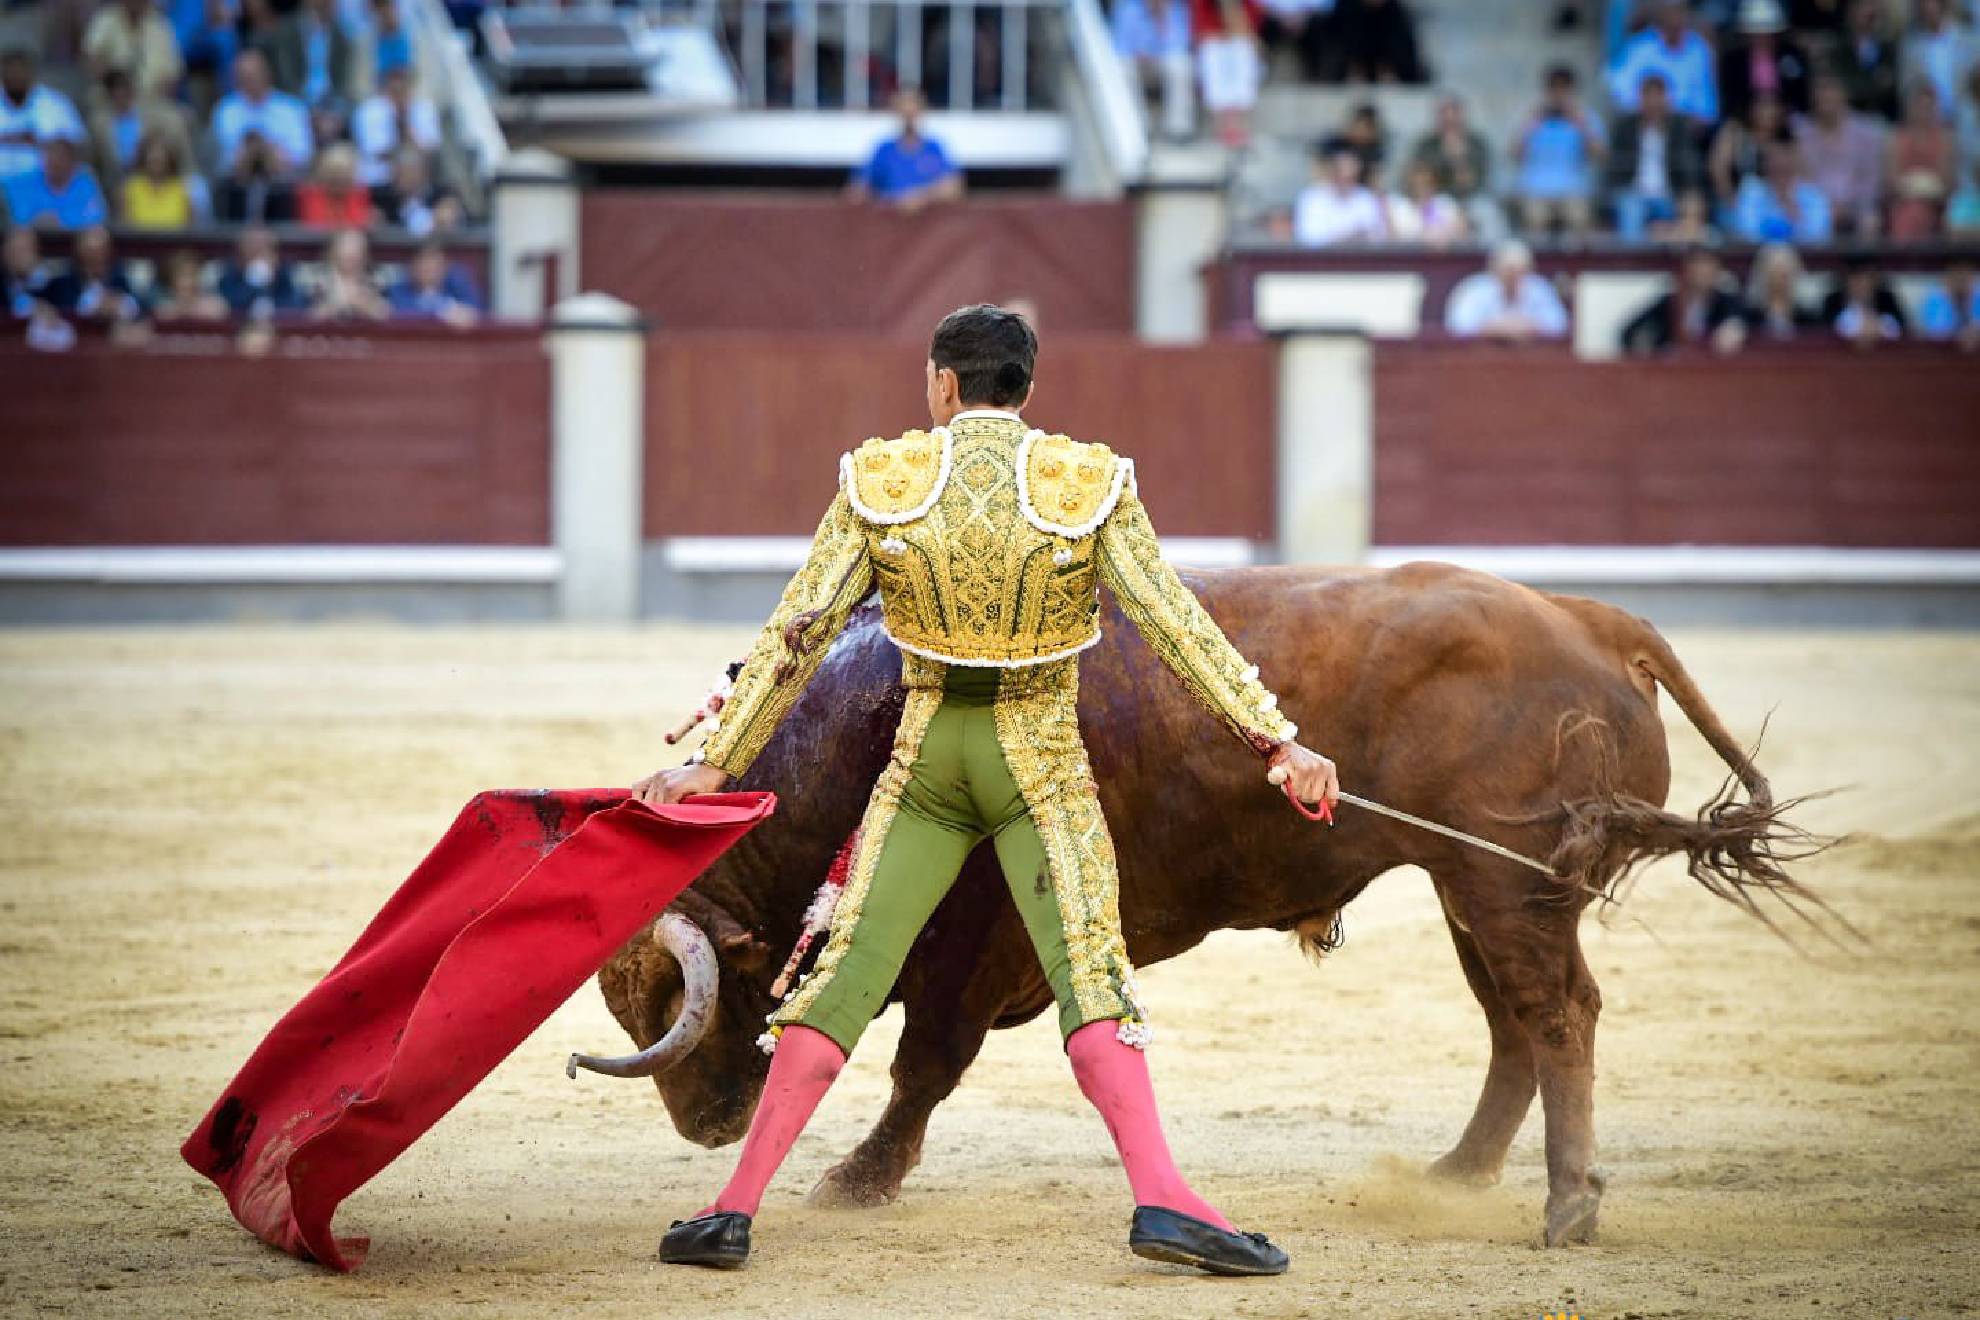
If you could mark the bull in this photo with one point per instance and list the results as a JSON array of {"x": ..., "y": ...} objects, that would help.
[{"x": 1525, "y": 717}]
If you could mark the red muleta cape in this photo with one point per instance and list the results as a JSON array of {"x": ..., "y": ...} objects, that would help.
[{"x": 527, "y": 895}]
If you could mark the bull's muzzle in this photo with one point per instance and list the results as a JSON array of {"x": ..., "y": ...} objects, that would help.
[{"x": 689, "y": 947}]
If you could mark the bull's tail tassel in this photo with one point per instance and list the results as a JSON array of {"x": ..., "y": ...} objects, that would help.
[{"x": 817, "y": 920}]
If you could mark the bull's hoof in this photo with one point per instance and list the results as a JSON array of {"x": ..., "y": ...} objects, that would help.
[
  {"x": 1572, "y": 1218},
  {"x": 846, "y": 1188},
  {"x": 1465, "y": 1170}
]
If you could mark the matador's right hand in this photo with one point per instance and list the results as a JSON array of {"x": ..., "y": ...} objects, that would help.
[
  {"x": 667, "y": 787},
  {"x": 1309, "y": 775}
]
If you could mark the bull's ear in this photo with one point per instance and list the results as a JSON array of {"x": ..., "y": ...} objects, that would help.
[{"x": 745, "y": 950}]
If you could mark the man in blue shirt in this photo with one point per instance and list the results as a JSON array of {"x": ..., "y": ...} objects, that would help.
[
  {"x": 61, "y": 191},
  {"x": 911, "y": 170},
  {"x": 1671, "y": 48}
]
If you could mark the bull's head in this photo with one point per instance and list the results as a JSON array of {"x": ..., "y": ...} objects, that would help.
[{"x": 687, "y": 992}]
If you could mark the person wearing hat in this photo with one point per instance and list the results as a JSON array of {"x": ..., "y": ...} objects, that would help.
[{"x": 1766, "y": 60}]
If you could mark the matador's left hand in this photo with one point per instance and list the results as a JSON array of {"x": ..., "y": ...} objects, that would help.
[{"x": 1310, "y": 775}]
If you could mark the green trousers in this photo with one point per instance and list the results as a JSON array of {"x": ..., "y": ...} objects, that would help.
[{"x": 949, "y": 788}]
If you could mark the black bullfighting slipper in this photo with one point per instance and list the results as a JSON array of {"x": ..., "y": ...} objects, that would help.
[
  {"x": 1161, "y": 1234},
  {"x": 720, "y": 1239}
]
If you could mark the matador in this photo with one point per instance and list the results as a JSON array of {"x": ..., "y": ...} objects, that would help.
[{"x": 986, "y": 541}]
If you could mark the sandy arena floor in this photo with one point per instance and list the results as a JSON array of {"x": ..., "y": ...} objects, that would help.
[{"x": 203, "y": 820}]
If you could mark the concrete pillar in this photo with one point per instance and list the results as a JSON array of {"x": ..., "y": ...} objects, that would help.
[
  {"x": 598, "y": 442},
  {"x": 535, "y": 223},
  {"x": 1179, "y": 227},
  {"x": 1326, "y": 448}
]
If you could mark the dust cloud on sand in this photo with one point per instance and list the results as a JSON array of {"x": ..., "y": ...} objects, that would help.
[{"x": 202, "y": 821}]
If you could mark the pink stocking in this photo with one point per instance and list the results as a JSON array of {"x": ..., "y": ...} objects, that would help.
[
  {"x": 801, "y": 1071},
  {"x": 1114, "y": 1077}
]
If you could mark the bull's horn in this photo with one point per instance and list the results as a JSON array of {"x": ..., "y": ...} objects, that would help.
[{"x": 690, "y": 948}]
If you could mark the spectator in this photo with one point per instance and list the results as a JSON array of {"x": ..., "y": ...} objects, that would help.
[
  {"x": 1968, "y": 120},
  {"x": 1369, "y": 136},
  {"x": 276, "y": 121},
  {"x": 1737, "y": 146},
  {"x": 1921, "y": 169},
  {"x": 1767, "y": 62},
  {"x": 333, "y": 198},
  {"x": 391, "y": 45},
  {"x": 348, "y": 292},
  {"x": 1653, "y": 156},
  {"x": 132, "y": 36},
  {"x": 186, "y": 297},
  {"x": 1671, "y": 48},
  {"x": 1228, "y": 67},
  {"x": 94, "y": 287},
  {"x": 1963, "y": 211},
  {"x": 30, "y": 112},
  {"x": 1862, "y": 308},
  {"x": 120, "y": 124},
  {"x": 1774, "y": 310},
  {"x": 209, "y": 38},
  {"x": 433, "y": 290},
  {"x": 257, "y": 283},
  {"x": 1780, "y": 205},
  {"x": 1704, "y": 308},
  {"x": 912, "y": 169},
  {"x": 1951, "y": 308},
  {"x": 161, "y": 193},
  {"x": 1691, "y": 225},
  {"x": 1301, "y": 26},
  {"x": 1422, "y": 214},
  {"x": 1507, "y": 302},
  {"x": 407, "y": 200},
  {"x": 1153, "y": 37},
  {"x": 1843, "y": 152},
  {"x": 1458, "y": 156},
  {"x": 61, "y": 191},
  {"x": 23, "y": 282},
  {"x": 1867, "y": 60},
  {"x": 313, "y": 56},
  {"x": 1556, "y": 152},
  {"x": 1373, "y": 41},
  {"x": 1938, "y": 54},
  {"x": 392, "y": 119},
  {"x": 1337, "y": 207}
]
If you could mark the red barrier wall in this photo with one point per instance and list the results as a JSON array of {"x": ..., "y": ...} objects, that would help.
[
  {"x": 1476, "y": 445},
  {"x": 744, "y": 432},
  {"x": 329, "y": 440},
  {"x": 795, "y": 265}
]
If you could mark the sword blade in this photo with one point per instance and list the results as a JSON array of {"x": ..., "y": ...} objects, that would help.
[{"x": 1449, "y": 833}]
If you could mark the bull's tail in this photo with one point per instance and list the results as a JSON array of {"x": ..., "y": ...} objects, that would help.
[{"x": 1739, "y": 846}]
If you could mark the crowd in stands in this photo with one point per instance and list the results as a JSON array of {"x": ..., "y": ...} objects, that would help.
[{"x": 254, "y": 113}]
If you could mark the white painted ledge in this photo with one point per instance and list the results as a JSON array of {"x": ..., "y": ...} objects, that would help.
[
  {"x": 785, "y": 554},
  {"x": 284, "y": 564},
  {"x": 1681, "y": 565}
]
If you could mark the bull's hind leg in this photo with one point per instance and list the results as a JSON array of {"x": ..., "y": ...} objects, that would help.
[{"x": 1510, "y": 1079}]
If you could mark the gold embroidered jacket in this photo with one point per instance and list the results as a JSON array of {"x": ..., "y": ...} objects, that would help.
[{"x": 986, "y": 542}]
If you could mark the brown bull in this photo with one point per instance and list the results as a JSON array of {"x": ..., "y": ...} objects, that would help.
[{"x": 1527, "y": 718}]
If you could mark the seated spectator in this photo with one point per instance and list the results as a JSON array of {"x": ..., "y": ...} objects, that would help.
[
  {"x": 1937, "y": 55},
  {"x": 1920, "y": 169},
  {"x": 1302, "y": 26},
  {"x": 1704, "y": 308},
  {"x": 1670, "y": 48},
  {"x": 1337, "y": 207},
  {"x": 333, "y": 198},
  {"x": 407, "y": 200},
  {"x": 1421, "y": 214},
  {"x": 132, "y": 36},
  {"x": 1780, "y": 205},
  {"x": 349, "y": 293},
  {"x": 391, "y": 44},
  {"x": 1767, "y": 61},
  {"x": 61, "y": 191},
  {"x": 1556, "y": 152},
  {"x": 30, "y": 111},
  {"x": 1507, "y": 302},
  {"x": 312, "y": 55},
  {"x": 1867, "y": 60},
  {"x": 390, "y": 121},
  {"x": 1843, "y": 152},
  {"x": 1373, "y": 41},
  {"x": 1737, "y": 146},
  {"x": 1369, "y": 136},
  {"x": 1691, "y": 225},
  {"x": 1228, "y": 67},
  {"x": 1862, "y": 308},
  {"x": 1963, "y": 210},
  {"x": 1459, "y": 158},
  {"x": 186, "y": 297},
  {"x": 910, "y": 170},
  {"x": 208, "y": 41},
  {"x": 433, "y": 290},
  {"x": 119, "y": 123},
  {"x": 257, "y": 283},
  {"x": 1774, "y": 310},
  {"x": 255, "y": 118},
  {"x": 94, "y": 287},
  {"x": 161, "y": 193},
  {"x": 1653, "y": 156},
  {"x": 1153, "y": 37},
  {"x": 1951, "y": 309},
  {"x": 23, "y": 282}
]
